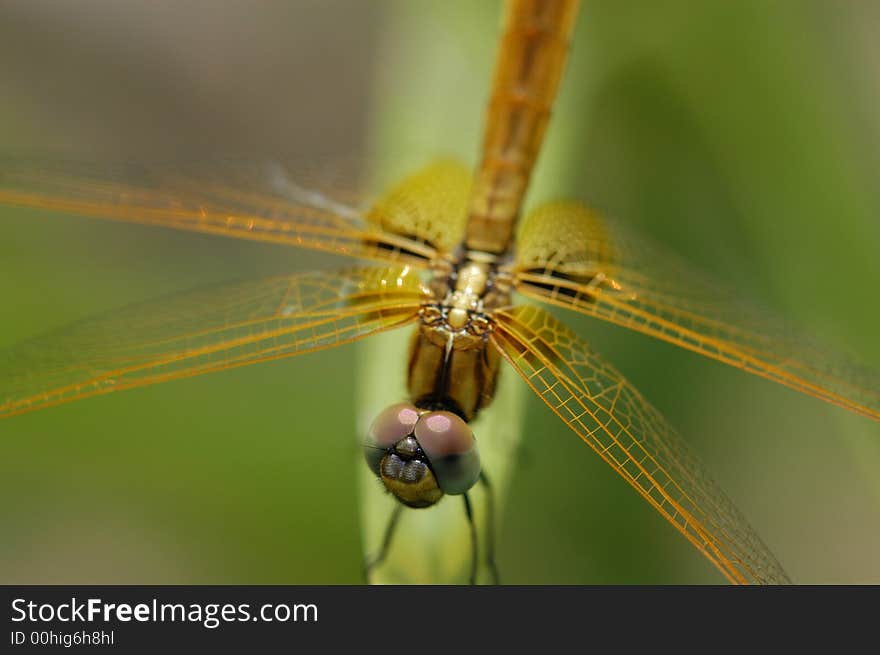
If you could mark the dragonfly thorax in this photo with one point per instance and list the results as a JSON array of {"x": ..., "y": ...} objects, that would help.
[
  {"x": 452, "y": 366},
  {"x": 465, "y": 293}
]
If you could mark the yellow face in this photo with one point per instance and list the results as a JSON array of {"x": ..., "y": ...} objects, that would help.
[{"x": 412, "y": 482}]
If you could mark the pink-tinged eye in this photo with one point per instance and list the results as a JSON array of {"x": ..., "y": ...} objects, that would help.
[
  {"x": 450, "y": 447},
  {"x": 393, "y": 424},
  {"x": 443, "y": 433}
]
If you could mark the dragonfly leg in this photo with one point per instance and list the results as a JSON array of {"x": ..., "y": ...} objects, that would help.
[
  {"x": 473, "y": 526},
  {"x": 386, "y": 543},
  {"x": 490, "y": 529}
]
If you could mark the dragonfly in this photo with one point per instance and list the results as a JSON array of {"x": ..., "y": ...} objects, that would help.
[{"x": 452, "y": 253}]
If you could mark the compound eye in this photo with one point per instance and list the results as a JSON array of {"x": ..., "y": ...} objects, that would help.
[
  {"x": 393, "y": 424},
  {"x": 450, "y": 447}
]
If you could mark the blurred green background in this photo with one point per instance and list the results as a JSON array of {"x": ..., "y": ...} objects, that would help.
[{"x": 742, "y": 135}]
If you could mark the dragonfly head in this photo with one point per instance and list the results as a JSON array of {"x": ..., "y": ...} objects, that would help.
[{"x": 420, "y": 455}]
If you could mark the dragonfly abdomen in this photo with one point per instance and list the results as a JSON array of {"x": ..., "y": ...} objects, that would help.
[{"x": 527, "y": 73}]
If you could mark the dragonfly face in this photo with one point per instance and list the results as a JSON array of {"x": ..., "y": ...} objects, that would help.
[{"x": 421, "y": 454}]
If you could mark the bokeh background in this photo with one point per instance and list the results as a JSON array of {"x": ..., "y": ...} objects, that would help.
[{"x": 742, "y": 135}]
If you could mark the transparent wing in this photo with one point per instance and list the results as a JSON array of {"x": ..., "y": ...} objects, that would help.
[
  {"x": 205, "y": 330},
  {"x": 259, "y": 202},
  {"x": 569, "y": 257},
  {"x": 612, "y": 417}
]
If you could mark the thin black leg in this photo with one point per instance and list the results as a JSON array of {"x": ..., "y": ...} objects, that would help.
[
  {"x": 490, "y": 529},
  {"x": 473, "y": 526},
  {"x": 386, "y": 543}
]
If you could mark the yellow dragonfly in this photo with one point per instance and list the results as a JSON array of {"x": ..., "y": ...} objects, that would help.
[{"x": 452, "y": 253}]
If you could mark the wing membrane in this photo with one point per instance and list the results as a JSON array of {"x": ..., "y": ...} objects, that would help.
[
  {"x": 205, "y": 330},
  {"x": 568, "y": 257},
  {"x": 428, "y": 206},
  {"x": 597, "y": 403},
  {"x": 259, "y": 202}
]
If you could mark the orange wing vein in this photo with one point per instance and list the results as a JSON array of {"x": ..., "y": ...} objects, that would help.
[
  {"x": 595, "y": 401},
  {"x": 567, "y": 256},
  {"x": 258, "y": 202},
  {"x": 205, "y": 330}
]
